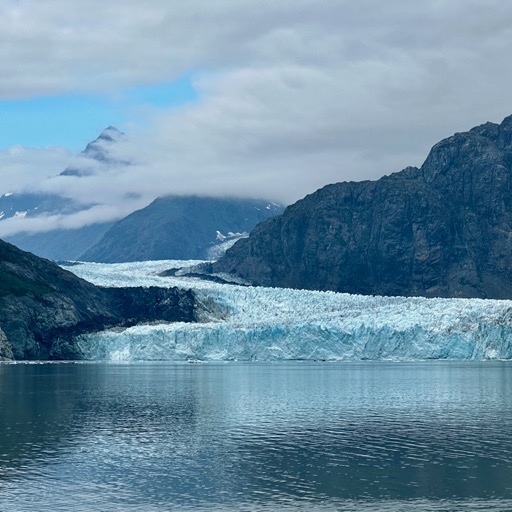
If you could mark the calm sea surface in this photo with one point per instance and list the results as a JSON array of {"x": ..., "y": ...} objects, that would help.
[{"x": 256, "y": 437}]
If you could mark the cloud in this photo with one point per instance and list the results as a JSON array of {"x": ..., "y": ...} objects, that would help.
[
  {"x": 45, "y": 223},
  {"x": 291, "y": 95},
  {"x": 26, "y": 168},
  {"x": 58, "y": 46}
]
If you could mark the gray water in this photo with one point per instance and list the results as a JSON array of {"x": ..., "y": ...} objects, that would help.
[{"x": 256, "y": 437}]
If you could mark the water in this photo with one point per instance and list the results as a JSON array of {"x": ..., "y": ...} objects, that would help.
[{"x": 256, "y": 437}]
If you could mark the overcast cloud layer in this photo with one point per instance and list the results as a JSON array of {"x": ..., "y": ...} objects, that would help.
[{"x": 293, "y": 95}]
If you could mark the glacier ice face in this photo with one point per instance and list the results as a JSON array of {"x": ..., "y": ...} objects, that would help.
[{"x": 265, "y": 324}]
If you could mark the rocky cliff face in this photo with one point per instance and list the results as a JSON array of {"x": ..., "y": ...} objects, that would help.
[
  {"x": 43, "y": 307},
  {"x": 5, "y": 348},
  {"x": 443, "y": 230}
]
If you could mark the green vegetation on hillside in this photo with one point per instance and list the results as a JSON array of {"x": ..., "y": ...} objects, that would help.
[{"x": 11, "y": 284}]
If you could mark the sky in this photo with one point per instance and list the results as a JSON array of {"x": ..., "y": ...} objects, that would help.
[{"x": 239, "y": 97}]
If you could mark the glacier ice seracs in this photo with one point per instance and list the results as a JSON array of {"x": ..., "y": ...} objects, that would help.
[{"x": 266, "y": 324}]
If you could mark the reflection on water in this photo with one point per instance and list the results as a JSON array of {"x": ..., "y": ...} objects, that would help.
[{"x": 287, "y": 436}]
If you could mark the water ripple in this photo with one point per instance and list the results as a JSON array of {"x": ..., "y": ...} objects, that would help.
[{"x": 261, "y": 437}]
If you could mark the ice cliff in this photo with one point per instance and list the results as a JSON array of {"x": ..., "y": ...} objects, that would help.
[{"x": 266, "y": 324}]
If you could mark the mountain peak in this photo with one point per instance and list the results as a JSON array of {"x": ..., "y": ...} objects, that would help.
[
  {"x": 457, "y": 153},
  {"x": 111, "y": 134},
  {"x": 96, "y": 148},
  {"x": 507, "y": 121},
  {"x": 100, "y": 150}
]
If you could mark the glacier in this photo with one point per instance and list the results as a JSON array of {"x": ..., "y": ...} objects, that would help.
[{"x": 241, "y": 323}]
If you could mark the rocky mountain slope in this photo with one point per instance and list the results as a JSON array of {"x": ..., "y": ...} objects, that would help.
[
  {"x": 60, "y": 244},
  {"x": 44, "y": 307},
  {"x": 179, "y": 227},
  {"x": 442, "y": 230}
]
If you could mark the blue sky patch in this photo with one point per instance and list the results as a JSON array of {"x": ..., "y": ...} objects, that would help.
[{"x": 73, "y": 120}]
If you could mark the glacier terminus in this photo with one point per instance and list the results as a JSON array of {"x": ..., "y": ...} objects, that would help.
[{"x": 241, "y": 323}]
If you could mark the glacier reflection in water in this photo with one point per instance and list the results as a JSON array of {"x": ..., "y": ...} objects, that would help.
[
  {"x": 266, "y": 324},
  {"x": 256, "y": 437}
]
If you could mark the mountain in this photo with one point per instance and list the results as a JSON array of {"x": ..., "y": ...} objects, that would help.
[
  {"x": 443, "y": 230},
  {"x": 170, "y": 227},
  {"x": 180, "y": 227},
  {"x": 31, "y": 205},
  {"x": 60, "y": 244},
  {"x": 63, "y": 244},
  {"x": 99, "y": 150},
  {"x": 57, "y": 244},
  {"x": 43, "y": 308}
]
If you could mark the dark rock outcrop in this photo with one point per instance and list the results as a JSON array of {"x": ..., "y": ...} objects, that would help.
[
  {"x": 443, "y": 230},
  {"x": 179, "y": 227},
  {"x": 5, "y": 348},
  {"x": 44, "y": 307}
]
